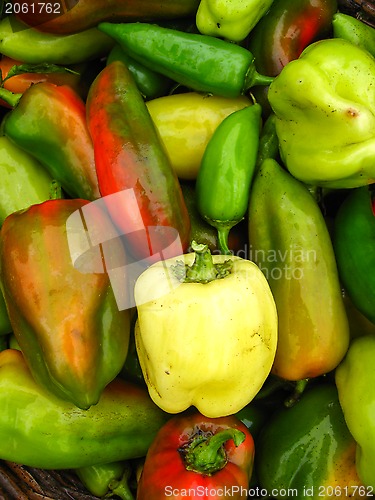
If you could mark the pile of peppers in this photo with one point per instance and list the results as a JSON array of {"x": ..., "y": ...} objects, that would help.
[{"x": 187, "y": 246}]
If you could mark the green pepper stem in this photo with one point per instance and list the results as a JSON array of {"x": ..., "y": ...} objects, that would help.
[
  {"x": 9, "y": 97},
  {"x": 121, "y": 489},
  {"x": 206, "y": 455},
  {"x": 223, "y": 234},
  {"x": 253, "y": 78},
  {"x": 299, "y": 388}
]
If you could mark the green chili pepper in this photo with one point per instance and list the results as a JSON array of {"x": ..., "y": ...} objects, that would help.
[
  {"x": 268, "y": 141},
  {"x": 107, "y": 480},
  {"x": 226, "y": 171},
  {"x": 355, "y": 31},
  {"x": 200, "y": 62},
  {"x": 40, "y": 430},
  {"x": 16, "y": 40}
]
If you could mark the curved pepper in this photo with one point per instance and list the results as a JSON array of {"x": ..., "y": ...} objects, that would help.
[
  {"x": 289, "y": 241},
  {"x": 130, "y": 158},
  {"x": 308, "y": 449},
  {"x": 354, "y": 240},
  {"x": 41, "y": 124},
  {"x": 16, "y": 39},
  {"x": 186, "y": 122},
  {"x": 354, "y": 30},
  {"x": 200, "y": 62},
  {"x": 78, "y": 15},
  {"x": 107, "y": 480},
  {"x": 222, "y": 308},
  {"x": 354, "y": 378},
  {"x": 325, "y": 109},
  {"x": 40, "y": 430},
  {"x": 226, "y": 171},
  {"x": 67, "y": 322},
  {"x": 198, "y": 457},
  {"x": 287, "y": 29},
  {"x": 230, "y": 19}
]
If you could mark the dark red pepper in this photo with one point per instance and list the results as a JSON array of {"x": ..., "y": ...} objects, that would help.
[
  {"x": 287, "y": 29},
  {"x": 198, "y": 457},
  {"x": 131, "y": 162}
]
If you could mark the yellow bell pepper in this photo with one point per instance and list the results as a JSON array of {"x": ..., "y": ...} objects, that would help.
[
  {"x": 206, "y": 332},
  {"x": 186, "y": 122}
]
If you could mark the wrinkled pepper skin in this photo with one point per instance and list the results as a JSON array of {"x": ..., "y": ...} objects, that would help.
[
  {"x": 41, "y": 124},
  {"x": 230, "y": 19},
  {"x": 41, "y": 430},
  {"x": 77, "y": 15},
  {"x": 222, "y": 308},
  {"x": 355, "y": 31},
  {"x": 67, "y": 323},
  {"x": 290, "y": 242},
  {"x": 354, "y": 379},
  {"x": 200, "y": 62},
  {"x": 226, "y": 172},
  {"x": 354, "y": 240},
  {"x": 308, "y": 448},
  {"x": 327, "y": 94},
  {"x": 198, "y": 457},
  {"x": 16, "y": 38},
  {"x": 287, "y": 29},
  {"x": 186, "y": 122},
  {"x": 129, "y": 156}
]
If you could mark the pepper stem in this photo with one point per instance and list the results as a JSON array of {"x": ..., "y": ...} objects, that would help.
[
  {"x": 121, "y": 488},
  {"x": 206, "y": 454},
  {"x": 222, "y": 234},
  {"x": 253, "y": 78},
  {"x": 9, "y": 97}
]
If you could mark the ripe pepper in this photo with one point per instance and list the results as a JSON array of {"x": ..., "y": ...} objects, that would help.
[
  {"x": 219, "y": 306},
  {"x": 30, "y": 45},
  {"x": 198, "y": 457},
  {"x": 73, "y": 16},
  {"x": 354, "y": 30},
  {"x": 129, "y": 157},
  {"x": 287, "y": 29},
  {"x": 41, "y": 124},
  {"x": 290, "y": 242},
  {"x": 354, "y": 378},
  {"x": 308, "y": 449},
  {"x": 324, "y": 95},
  {"x": 226, "y": 171},
  {"x": 232, "y": 20},
  {"x": 67, "y": 322},
  {"x": 186, "y": 123},
  {"x": 40, "y": 430},
  {"x": 354, "y": 239},
  {"x": 199, "y": 62}
]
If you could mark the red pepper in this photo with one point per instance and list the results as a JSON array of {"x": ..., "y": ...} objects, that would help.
[
  {"x": 198, "y": 457},
  {"x": 131, "y": 162}
]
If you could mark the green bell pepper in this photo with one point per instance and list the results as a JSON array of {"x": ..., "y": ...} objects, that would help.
[
  {"x": 354, "y": 240},
  {"x": 230, "y": 19},
  {"x": 40, "y": 430},
  {"x": 200, "y": 62},
  {"x": 325, "y": 108},
  {"x": 355, "y": 378},
  {"x": 308, "y": 449}
]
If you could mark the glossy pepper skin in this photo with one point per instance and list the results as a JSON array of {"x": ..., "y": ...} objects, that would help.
[
  {"x": 130, "y": 156},
  {"x": 199, "y": 457},
  {"x": 354, "y": 378},
  {"x": 222, "y": 308},
  {"x": 230, "y": 19},
  {"x": 308, "y": 448},
  {"x": 80, "y": 15},
  {"x": 41, "y": 124},
  {"x": 289, "y": 241},
  {"x": 107, "y": 480},
  {"x": 226, "y": 172},
  {"x": 74, "y": 338},
  {"x": 41, "y": 430},
  {"x": 186, "y": 122},
  {"x": 16, "y": 38},
  {"x": 327, "y": 94},
  {"x": 354, "y": 239},
  {"x": 199, "y": 62},
  {"x": 287, "y": 29},
  {"x": 354, "y": 30}
]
